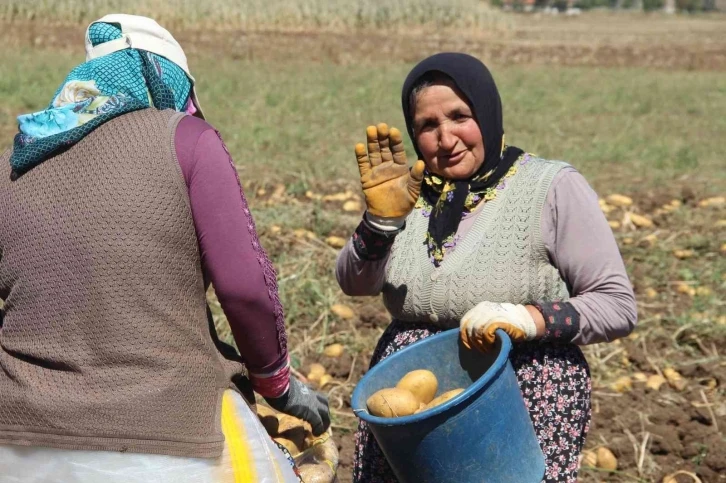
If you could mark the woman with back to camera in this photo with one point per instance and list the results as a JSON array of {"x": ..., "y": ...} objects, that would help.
[{"x": 119, "y": 205}]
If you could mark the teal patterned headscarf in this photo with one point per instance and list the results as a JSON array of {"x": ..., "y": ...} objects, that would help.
[{"x": 95, "y": 92}]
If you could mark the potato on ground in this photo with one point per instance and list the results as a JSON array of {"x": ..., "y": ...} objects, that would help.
[
  {"x": 589, "y": 459},
  {"x": 606, "y": 459},
  {"x": 316, "y": 372},
  {"x": 422, "y": 383},
  {"x": 392, "y": 403}
]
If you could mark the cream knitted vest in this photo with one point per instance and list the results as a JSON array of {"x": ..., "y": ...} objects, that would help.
[{"x": 501, "y": 259}]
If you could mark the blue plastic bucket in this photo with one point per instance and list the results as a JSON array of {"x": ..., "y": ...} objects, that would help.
[{"x": 482, "y": 435}]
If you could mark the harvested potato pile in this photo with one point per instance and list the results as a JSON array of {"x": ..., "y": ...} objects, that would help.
[
  {"x": 421, "y": 383},
  {"x": 316, "y": 457},
  {"x": 414, "y": 393}
]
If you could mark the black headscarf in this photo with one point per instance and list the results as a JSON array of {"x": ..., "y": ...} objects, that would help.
[{"x": 473, "y": 79}]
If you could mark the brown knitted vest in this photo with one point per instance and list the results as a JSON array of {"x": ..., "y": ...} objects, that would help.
[{"x": 105, "y": 343}]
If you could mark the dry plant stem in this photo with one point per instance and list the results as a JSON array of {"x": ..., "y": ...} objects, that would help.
[
  {"x": 310, "y": 342},
  {"x": 641, "y": 458},
  {"x": 681, "y": 282},
  {"x": 710, "y": 411},
  {"x": 645, "y": 305},
  {"x": 319, "y": 243},
  {"x": 338, "y": 400},
  {"x": 673, "y": 237},
  {"x": 646, "y": 321},
  {"x": 296, "y": 274},
  {"x": 636, "y": 448},
  {"x": 650, "y": 361},
  {"x": 680, "y": 331},
  {"x": 318, "y": 320},
  {"x": 607, "y": 394},
  {"x": 646, "y": 439},
  {"x": 325, "y": 331},
  {"x": 338, "y": 426},
  {"x": 352, "y": 367},
  {"x": 354, "y": 329},
  {"x": 704, "y": 360},
  {"x": 700, "y": 345},
  {"x": 343, "y": 414},
  {"x": 340, "y": 386},
  {"x": 610, "y": 356}
]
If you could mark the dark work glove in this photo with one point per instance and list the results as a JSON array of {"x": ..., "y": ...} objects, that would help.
[{"x": 304, "y": 403}]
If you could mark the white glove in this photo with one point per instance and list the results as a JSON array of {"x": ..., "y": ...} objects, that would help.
[
  {"x": 479, "y": 324},
  {"x": 385, "y": 224}
]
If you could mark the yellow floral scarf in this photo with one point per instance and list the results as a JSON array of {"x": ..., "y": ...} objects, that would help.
[{"x": 444, "y": 202}]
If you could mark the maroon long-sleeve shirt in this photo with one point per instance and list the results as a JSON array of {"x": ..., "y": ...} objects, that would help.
[{"x": 232, "y": 258}]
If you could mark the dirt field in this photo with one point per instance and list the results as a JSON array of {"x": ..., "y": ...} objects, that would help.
[
  {"x": 677, "y": 265},
  {"x": 682, "y": 326},
  {"x": 604, "y": 40}
]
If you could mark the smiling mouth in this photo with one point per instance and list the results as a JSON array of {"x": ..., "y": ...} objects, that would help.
[{"x": 455, "y": 157}]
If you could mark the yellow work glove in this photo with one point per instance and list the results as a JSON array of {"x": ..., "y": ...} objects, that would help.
[
  {"x": 390, "y": 188},
  {"x": 479, "y": 324}
]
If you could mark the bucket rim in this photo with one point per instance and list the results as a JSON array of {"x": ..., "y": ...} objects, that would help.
[{"x": 486, "y": 379}]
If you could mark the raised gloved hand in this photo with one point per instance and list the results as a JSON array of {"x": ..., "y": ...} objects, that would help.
[
  {"x": 479, "y": 323},
  {"x": 390, "y": 188},
  {"x": 304, "y": 403}
]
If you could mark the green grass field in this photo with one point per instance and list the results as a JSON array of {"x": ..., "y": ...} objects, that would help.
[
  {"x": 623, "y": 128},
  {"x": 290, "y": 125}
]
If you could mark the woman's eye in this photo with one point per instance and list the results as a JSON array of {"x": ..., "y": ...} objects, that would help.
[{"x": 460, "y": 116}]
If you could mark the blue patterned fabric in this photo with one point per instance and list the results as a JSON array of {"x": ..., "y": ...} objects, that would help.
[{"x": 95, "y": 92}]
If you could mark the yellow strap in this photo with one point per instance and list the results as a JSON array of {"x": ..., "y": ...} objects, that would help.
[{"x": 236, "y": 438}]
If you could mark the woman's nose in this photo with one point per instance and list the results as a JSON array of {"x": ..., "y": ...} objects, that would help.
[{"x": 447, "y": 138}]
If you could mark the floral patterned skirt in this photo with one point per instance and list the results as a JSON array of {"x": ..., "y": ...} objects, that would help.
[{"x": 555, "y": 384}]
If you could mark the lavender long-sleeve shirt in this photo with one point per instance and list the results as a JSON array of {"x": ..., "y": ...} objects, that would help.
[
  {"x": 580, "y": 245},
  {"x": 232, "y": 258}
]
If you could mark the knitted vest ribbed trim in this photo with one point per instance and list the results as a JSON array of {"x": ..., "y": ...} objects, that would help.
[{"x": 501, "y": 259}]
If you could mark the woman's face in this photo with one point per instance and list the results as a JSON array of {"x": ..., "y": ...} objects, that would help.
[{"x": 446, "y": 132}]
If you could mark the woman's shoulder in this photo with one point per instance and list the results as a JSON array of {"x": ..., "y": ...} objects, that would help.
[
  {"x": 192, "y": 127},
  {"x": 189, "y": 144},
  {"x": 189, "y": 132},
  {"x": 535, "y": 169},
  {"x": 568, "y": 185},
  {"x": 542, "y": 163},
  {"x": 562, "y": 177}
]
